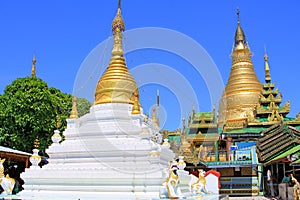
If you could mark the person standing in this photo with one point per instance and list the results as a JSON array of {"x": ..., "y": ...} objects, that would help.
[{"x": 270, "y": 183}]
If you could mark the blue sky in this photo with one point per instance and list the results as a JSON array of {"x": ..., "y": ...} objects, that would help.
[{"x": 63, "y": 33}]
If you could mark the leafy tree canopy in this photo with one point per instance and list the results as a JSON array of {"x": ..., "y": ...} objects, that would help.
[
  {"x": 30, "y": 109},
  {"x": 83, "y": 106}
]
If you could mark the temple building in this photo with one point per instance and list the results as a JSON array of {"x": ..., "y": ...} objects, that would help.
[
  {"x": 112, "y": 152},
  {"x": 116, "y": 151},
  {"x": 250, "y": 134}
]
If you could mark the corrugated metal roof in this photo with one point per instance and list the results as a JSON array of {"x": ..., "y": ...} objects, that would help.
[{"x": 9, "y": 150}]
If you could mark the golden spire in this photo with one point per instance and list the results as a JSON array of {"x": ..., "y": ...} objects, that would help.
[
  {"x": 267, "y": 68},
  {"x": 33, "y": 69},
  {"x": 154, "y": 117},
  {"x": 118, "y": 27},
  {"x": 116, "y": 84},
  {"x": 240, "y": 38},
  {"x": 243, "y": 88},
  {"x": 136, "y": 106},
  {"x": 74, "y": 113}
]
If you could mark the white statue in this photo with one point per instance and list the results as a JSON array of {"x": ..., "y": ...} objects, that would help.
[
  {"x": 198, "y": 185},
  {"x": 7, "y": 183},
  {"x": 170, "y": 188}
]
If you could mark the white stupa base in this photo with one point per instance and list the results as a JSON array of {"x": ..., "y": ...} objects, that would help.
[
  {"x": 107, "y": 154},
  {"x": 68, "y": 195}
]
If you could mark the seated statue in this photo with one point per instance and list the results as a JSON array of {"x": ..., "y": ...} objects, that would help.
[
  {"x": 7, "y": 183},
  {"x": 198, "y": 185},
  {"x": 170, "y": 188}
]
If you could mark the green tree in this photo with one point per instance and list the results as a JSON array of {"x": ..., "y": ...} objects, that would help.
[
  {"x": 62, "y": 107},
  {"x": 29, "y": 109},
  {"x": 83, "y": 106}
]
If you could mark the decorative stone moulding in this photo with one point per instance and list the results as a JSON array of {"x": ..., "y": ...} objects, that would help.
[
  {"x": 35, "y": 159},
  {"x": 181, "y": 164},
  {"x": 166, "y": 143},
  {"x": 56, "y": 138}
]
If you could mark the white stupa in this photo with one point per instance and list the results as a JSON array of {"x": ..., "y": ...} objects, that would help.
[{"x": 109, "y": 153}]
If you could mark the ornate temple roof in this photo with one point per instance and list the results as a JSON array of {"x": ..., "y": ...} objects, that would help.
[
  {"x": 116, "y": 84},
  {"x": 202, "y": 122},
  {"x": 276, "y": 140},
  {"x": 243, "y": 88},
  {"x": 269, "y": 111}
]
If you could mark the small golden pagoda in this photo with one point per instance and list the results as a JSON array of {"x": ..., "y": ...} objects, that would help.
[
  {"x": 269, "y": 105},
  {"x": 74, "y": 112},
  {"x": 243, "y": 88},
  {"x": 116, "y": 84}
]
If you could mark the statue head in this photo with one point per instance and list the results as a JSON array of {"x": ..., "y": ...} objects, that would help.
[
  {"x": 174, "y": 167},
  {"x": 201, "y": 173}
]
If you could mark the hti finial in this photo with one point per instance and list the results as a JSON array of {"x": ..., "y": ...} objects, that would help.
[
  {"x": 267, "y": 68},
  {"x": 157, "y": 98},
  {"x": 118, "y": 27},
  {"x": 265, "y": 49},
  {"x": 34, "y": 59},
  {"x": 266, "y": 55},
  {"x": 33, "y": 68},
  {"x": 119, "y": 4},
  {"x": 118, "y": 22},
  {"x": 238, "y": 14}
]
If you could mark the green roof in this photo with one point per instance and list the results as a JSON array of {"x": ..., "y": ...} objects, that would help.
[
  {"x": 246, "y": 130},
  {"x": 287, "y": 153},
  {"x": 262, "y": 119},
  {"x": 286, "y": 119},
  {"x": 235, "y": 163},
  {"x": 289, "y": 119},
  {"x": 296, "y": 162},
  {"x": 175, "y": 138},
  {"x": 297, "y": 127},
  {"x": 206, "y": 114}
]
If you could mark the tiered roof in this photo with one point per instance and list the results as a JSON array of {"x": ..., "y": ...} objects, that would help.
[
  {"x": 269, "y": 106},
  {"x": 276, "y": 140},
  {"x": 202, "y": 122}
]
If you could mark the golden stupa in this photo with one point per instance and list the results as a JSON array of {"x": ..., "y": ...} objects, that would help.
[
  {"x": 243, "y": 88},
  {"x": 116, "y": 85},
  {"x": 74, "y": 112}
]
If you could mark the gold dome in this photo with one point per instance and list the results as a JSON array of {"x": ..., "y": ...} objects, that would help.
[
  {"x": 116, "y": 84},
  {"x": 243, "y": 88}
]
